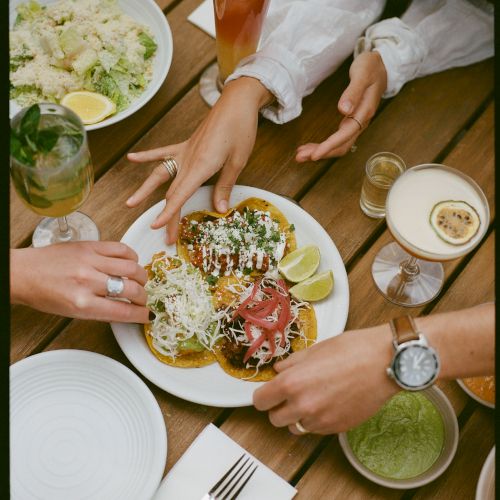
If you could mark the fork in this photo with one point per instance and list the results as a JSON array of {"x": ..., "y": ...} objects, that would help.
[{"x": 231, "y": 480}]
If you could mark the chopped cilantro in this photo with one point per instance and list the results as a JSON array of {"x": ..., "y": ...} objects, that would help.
[
  {"x": 212, "y": 280},
  {"x": 247, "y": 271},
  {"x": 292, "y": 228}
]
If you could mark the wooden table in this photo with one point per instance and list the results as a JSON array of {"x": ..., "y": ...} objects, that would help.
[{"x": 446, "y": 118}]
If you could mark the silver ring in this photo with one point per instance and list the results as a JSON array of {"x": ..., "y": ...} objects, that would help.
[
  {"x": 170, "y": 165},
  {"x": 114, "y": 286},
  {"x": 301, "y": 428},
  {"x": 360, "y": 125}
]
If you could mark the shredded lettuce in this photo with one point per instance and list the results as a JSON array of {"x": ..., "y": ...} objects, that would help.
[
  {"x": 105, "y": 84},
  {"x": 71, "y": 42},
  {"x": 28, "y": 11},
  {"x": 148, "y": 43}
]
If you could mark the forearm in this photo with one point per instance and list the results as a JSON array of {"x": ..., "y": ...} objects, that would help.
[
  {"x": 430, "y": 37},
  {"x": 249, "y": 89},
  {"x": 19, "y": 274},
  {"x": 304, "y": 41},
  {"x": 464, "y": 340}
]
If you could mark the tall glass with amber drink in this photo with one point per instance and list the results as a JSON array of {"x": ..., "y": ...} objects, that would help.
[
  {"x": 435, "y": 213},
  {"x": 52, "y": 172},
  {"x": 238, "y": 26}
]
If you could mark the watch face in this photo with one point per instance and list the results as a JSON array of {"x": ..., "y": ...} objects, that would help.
[{"x": 415, "y": 366}]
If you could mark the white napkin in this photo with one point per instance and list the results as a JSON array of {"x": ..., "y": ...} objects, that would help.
[
  {"x": 203, "y": 17},
  {"x": 207, "y": 459}
]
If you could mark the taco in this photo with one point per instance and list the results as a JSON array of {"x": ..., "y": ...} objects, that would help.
[
  {"x": 261, "y": 324},
  {"x": 186, "y": 324},
  {"x": 250, "y": 239}
]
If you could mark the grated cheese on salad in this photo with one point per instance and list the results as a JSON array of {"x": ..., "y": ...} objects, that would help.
[
  {"x": 182, "y": 302},
  {"x": 73, "y": 45}
]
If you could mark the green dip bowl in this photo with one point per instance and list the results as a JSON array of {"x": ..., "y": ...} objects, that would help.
[{"x": 441, "y": 403}]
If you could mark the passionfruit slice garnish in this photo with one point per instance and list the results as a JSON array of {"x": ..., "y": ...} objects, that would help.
[{"x": 455, "y": 222}]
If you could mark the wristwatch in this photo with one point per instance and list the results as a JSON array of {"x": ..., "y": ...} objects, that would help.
[{"x": 415, "y": 365}]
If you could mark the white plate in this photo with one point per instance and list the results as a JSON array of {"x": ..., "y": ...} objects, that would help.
[
  {"x": 486, "y": 485},
  {"x": 210, "y": 385},
  {"x": 83, "y": 426},
  {"x": 144, "y": 12}
]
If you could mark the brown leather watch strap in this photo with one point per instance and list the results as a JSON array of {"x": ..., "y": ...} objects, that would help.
[{"x": 403, "y": 329}]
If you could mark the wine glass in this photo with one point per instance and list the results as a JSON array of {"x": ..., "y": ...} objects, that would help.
[
  {"x": 238, "y": 25},
  {"x": 421, "y": 202},
  {"x": 52, "y": 172}
]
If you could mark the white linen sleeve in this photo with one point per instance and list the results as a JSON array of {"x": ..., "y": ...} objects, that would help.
[
  {"x": 303, "y": 42},
  {"x": 432, "y": 35}
]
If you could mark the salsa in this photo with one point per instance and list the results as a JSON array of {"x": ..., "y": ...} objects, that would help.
[
  {"x": 402, "y": 440},
  {"x": 483, "y": 387}
]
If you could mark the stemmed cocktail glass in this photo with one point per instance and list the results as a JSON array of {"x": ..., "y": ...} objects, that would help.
[
  {"x": 427, "y": 210},
  {"x": 238, "y": 25},
  {"x": 52, "y": 172}
]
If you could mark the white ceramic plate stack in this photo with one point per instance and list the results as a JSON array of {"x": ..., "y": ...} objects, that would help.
[
  {"x": 145, "y": 12},
  {"x": 83, "y": 426},
  {"x": 210, "y": 385}
]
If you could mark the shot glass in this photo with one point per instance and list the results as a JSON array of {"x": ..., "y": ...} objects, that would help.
[{"x": 382, "y": 169}]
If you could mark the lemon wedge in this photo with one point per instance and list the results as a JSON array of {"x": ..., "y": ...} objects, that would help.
[
  {"x": 300, "y": 264},
  {"x": 316, "y": 287},
  {"x": 91, "y": 107}
]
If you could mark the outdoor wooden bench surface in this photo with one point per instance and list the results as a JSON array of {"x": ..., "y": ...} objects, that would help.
[{"x": 444, "y": 118}]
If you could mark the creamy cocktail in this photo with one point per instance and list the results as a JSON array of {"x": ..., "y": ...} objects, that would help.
[{"x": 435, "y": 213}]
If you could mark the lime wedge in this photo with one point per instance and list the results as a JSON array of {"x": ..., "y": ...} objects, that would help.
[
  {"x": 316, "y": 287},
  {"x": 300, "y": 264}
]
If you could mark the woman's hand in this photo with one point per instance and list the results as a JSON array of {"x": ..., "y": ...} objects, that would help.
[
  {"x": 358, "y": 104},
  {"x": 223, "y": 141},
  {"x": 332, "y": 386},
  {"x": 70, "y": 279}
]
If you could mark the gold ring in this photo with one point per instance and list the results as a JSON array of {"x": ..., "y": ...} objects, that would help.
[
  {"x": 170, "y": 165},
  {"x": 301, "y": 428},
  {"x": 360, "y": 125}
]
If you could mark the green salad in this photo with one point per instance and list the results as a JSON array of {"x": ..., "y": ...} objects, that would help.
[{"x": 73, "y": 45}]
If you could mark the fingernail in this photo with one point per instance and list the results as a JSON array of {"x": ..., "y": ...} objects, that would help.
[
  {"x": 152, "y": 315},
  {"x": 130, "y": 200},
  {"x": 346, "y": 106},
  {"x": 222, "y": 206}
]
